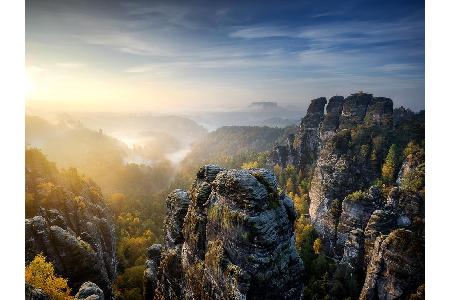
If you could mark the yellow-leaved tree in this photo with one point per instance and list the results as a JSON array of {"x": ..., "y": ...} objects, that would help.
[
  {"x": 41, "y": 274},
  {"x": 317, "y": 246}
]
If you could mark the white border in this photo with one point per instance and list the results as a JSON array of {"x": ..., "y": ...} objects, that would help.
[
  {"x": 437, "y": 112},
  {"x": 12, "y": 119}
]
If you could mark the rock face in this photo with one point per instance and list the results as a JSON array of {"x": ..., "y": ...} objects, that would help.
[
  {"x": 151, "y": 270},
  {"x": 85, "y": 254},
  {"x": 89, "y": 291},
  {"x": 347, "y": 162},
  {"x": 356, "y": 212},
  {"x": 73, "y": 230},
  {"x": 307, "y": 138},
  {"x": 396, "y": 268},
  {"x": 331, "y": 119},
  {"x": 32, "y": 293},
  {"x": 236, "y": 241},
  {"x": 361, "y": 226}
]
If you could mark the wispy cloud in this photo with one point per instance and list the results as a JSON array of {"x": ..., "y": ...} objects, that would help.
[
  {"x": 339, "y": 32},
  {"x": 71, "y": 65},
  {"x": 397, "y": 67},
  {"x": 277, "y": 49},
  {"x": 262, "y": 32}
]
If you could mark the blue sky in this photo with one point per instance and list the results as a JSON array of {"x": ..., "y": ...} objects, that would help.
[{"x": 163, "y": 55}]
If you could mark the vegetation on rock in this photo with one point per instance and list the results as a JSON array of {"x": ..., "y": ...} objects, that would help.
[{"x": 41, "y": 274}]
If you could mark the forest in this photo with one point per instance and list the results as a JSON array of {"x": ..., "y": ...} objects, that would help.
[{"x": 62, "y": 158}]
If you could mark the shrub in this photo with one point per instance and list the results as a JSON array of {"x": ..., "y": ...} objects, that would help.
[
  {"x": 129, "y": 284},
  {"x": 250, "y": 165},
  {"x": 356, "y": 196},
  {"x": 317, "y": 246},
  {"x": 390, "y": 165},
  {"x": 41, "y": 274}
]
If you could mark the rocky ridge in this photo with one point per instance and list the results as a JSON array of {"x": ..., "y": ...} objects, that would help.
[
  {"x": 236, "y": 240},
  {"x": 375, "y": 234},
  {"x": 87, "y": 291},
  {"x": 72, "y": 227}
]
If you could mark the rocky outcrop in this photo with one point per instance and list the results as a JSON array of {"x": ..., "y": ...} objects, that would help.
[
  {"x": 396, "y": 268},
  {"x": 331, "y": 119},
  {"x": 356, "y": 211},
  {"x": 354, "y": 110},
  {"x": 307, "y": 137},
  {"x": 329, "y": 187},
  {"x": 151, "y": 270},
  {"x": 89, "y": 291},
  {"x": 381, "y": 222},
  {"x": 353, "y": 254},
  {"x": 32, "y": 293},
  {"x": 346, "y": 149},
  {"x": 348, "y": 162},
  {"x": 75, "y": 232},
  {"x": 237, "y": 240},
  {"x": 341, "y": 152}
]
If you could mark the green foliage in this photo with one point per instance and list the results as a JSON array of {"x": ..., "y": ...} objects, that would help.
[
  {"x": 414, "y": 149},
  {"x": 391, "y": 165},
  {"x": 356, "y": 196},
  {"x": 134, "y": 238},
  {"x": 137, "y": 217},
  {"x": 336, "y": 209},
  {"x": 415, "y": 179},
  {"x": 318, "y": 289},
  {"x": 346, "y": 284},
  {"x": 409, "y": 129},
  {"x": 47, "y": 186},
  {"x": 129, "y": 284},
  {"x": 301, "y": 203},
  {"x": 304, "y": 238}
]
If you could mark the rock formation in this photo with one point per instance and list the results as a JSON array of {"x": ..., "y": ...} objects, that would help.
[
  {"x": 396, "y": 268},
  {"x": 32, "y": 293},
  {"x": 236, "y": 240},
  {"x": 86, "y": 252},
  {"x": 361, "y": 226},
  {"x": 307, "y": 137},
  {"x": 87, "y": 291},
  {"x": 73, "y": 229},
  {"x": 348, "y": 161}
]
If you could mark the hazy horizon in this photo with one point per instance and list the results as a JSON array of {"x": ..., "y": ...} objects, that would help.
[{"x": 172, "y": 56}]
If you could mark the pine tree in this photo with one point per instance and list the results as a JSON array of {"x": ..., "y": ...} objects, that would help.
[{"x": 390, "y": 165}]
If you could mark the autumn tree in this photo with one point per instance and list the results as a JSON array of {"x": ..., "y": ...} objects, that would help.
[
  {"x": 289, "y": 186},
  {"x": 317, "y": 246},
  {"x": 41, "y": 274},
  {"x": 250, "y": 165}
]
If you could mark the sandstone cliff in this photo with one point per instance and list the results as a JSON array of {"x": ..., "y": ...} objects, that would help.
[
  {"x": 87, "y": 291},
  {"x": 374, "y": 232},
  {"x": 69, "y": 223},
  {"x": 230, "y": 237}
]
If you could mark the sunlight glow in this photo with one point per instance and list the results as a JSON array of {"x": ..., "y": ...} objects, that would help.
[{"x": 28, "y": 84}]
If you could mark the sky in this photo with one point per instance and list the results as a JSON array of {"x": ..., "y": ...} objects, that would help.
[{"x": 205, "y": 55}]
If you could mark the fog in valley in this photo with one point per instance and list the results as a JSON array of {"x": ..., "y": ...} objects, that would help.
[{"x": 147, "y": 138}]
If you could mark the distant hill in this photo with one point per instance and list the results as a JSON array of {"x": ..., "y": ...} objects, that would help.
[
  {"x": 233, "y": 140},
  {"x": 141, "y": 126},
  {"x": 264, "y": 105},
  {"x": 230, "y": 146}
]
